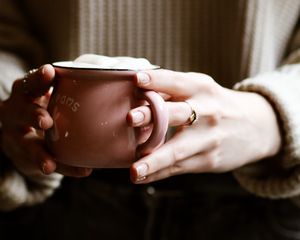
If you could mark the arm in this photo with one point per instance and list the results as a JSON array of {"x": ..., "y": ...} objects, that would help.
[
  {"x": 23, "y": 156},
  {"x": 254, "y": 131},
  {"x": 282, "y": 89},
  {"x": 18, "y": 52}
]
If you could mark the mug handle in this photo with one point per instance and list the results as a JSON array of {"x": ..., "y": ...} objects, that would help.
[{"x": 160, "y": 122}]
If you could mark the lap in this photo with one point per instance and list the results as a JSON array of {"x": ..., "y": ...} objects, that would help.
[{"x": 94, "y": 209}]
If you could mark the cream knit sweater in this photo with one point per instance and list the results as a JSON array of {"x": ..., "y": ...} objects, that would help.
[{"x": 230, "y": 40}]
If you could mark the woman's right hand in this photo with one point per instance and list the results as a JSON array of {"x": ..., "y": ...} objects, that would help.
[{"x": 24, "y": 118}]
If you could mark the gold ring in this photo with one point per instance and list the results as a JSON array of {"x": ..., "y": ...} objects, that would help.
[
  {"x": 193, "y": 117},
  {"x": 25, "y": 80},
  {"x": 25, "y": 86},
  {"x": 32, "y": 71}
]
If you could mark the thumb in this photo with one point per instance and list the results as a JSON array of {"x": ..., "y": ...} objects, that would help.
[{"x": 39, "y": 82}]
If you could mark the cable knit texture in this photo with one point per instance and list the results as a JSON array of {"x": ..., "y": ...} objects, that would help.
[{"x": 229, "y": 40}]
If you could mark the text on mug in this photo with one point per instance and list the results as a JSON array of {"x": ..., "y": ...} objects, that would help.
[{"x": 67, "y": 101}]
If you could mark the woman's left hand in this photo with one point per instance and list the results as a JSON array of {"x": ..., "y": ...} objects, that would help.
[
  {"x": 232, "y": 128},
  {"x": 24, "y": 119}
]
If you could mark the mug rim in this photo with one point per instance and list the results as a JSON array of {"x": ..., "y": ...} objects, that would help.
[{"x": 71, "y": 65}]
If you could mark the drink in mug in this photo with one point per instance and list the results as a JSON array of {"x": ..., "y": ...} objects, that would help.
[{"x": 89, "y": 104}]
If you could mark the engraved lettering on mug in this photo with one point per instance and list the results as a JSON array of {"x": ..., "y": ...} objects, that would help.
[
  {"x": 68, "y": 102},
  {"x": 63, "y": 99},
  {"x": 75, "y": 107}
]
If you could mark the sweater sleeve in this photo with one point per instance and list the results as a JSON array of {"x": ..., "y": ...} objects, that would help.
[
  {"x": 17, "y": 190},
  {"x": 278, "y": 177},
  {"x": 18, "y": 52}
]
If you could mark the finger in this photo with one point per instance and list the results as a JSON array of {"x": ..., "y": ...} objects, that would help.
[
  {"x": 140, "y": 116},
  {"x": 183, "y": 145},
  {"x": 38, "y": 117},
  {"x": 35, "y": 150},
  {"x": 143, "y": 133},
  {"x": 28, "y": 153},
  {"x": 46, "y": 163},
  {"x": 179, "y": 114},
  {"x": 177, "y": 84},
  {"x": 32, "y": 115},
  {"x": 71, "y": 171},
  {"x": 37, "y": 83},
  {"x": 43, "y": 100},
  {"x": 200, "y": 163},
  {"x": 165, "y": 96}
]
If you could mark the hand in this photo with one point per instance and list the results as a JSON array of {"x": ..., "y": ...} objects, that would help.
[
  {"x": 24, "y": 119},
  {"x": 232, "y": 128}
]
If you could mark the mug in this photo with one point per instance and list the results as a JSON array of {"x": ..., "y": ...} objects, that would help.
[{"x": 89, "y": 108}]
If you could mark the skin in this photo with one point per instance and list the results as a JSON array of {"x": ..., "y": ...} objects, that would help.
[
  {"x": 232, "y": 128},
  {"x": 24, "y": 118}
]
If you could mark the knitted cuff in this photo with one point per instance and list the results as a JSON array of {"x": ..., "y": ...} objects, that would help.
[
  {"x": 15, "y": 191},
  {"x": 41, "y": 187},
  {"x": 282, "y": 89},
  {"x": 280, "y": 185}
]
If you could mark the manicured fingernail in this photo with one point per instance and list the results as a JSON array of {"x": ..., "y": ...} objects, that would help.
[
  {"x": 143, "y": 78},
  {"x": 137, "y": 117},
  {"x": 142, "y": 170}
]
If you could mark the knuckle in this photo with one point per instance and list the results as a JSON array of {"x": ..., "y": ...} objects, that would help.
[
  {"x": 178, "y": 152},
  {"x": 214, "y": 118},
  {"x": 217, "y": 138},
  {"x": 204, "y": 78},
  {"x": 38, "y": 111},
  {"x": 212, "y": 88},
  {"x": 157, "y": 162},
  {"x": 210, "y": 80},
  {"x": 176, "y": 169},
  {"x": 178, "y": 84},
  {"x": 213, "y": 161},
  {"x": 175, "y": 115}
]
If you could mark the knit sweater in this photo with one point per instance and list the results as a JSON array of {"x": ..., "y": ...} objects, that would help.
[{"x": 250, "y": 45}]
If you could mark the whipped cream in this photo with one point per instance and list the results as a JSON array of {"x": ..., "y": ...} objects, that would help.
[{"x": 94, "y": 61}]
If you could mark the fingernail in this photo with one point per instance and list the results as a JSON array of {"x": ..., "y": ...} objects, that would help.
[
  {"x": 44, "y": 167},
  {"x": 40, "y": 122},
  {"x": 140, "y": 179},
  {"x": 43, "y": 70},
  {"x": 142, "y": 170},
  {"x": 143, "y": 78},
  {"x": 137, "y": 117},
  {"x": 86, "y": 172}
]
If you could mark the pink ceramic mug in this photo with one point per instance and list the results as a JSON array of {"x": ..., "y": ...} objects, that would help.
[{"x": 89, "y": 108}]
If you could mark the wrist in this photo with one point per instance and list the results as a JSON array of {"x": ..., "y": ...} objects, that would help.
[{"x": 262, "y": 116}]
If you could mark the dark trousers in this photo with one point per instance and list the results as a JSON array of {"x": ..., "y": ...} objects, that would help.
[{"x": 107, "y": 206}]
